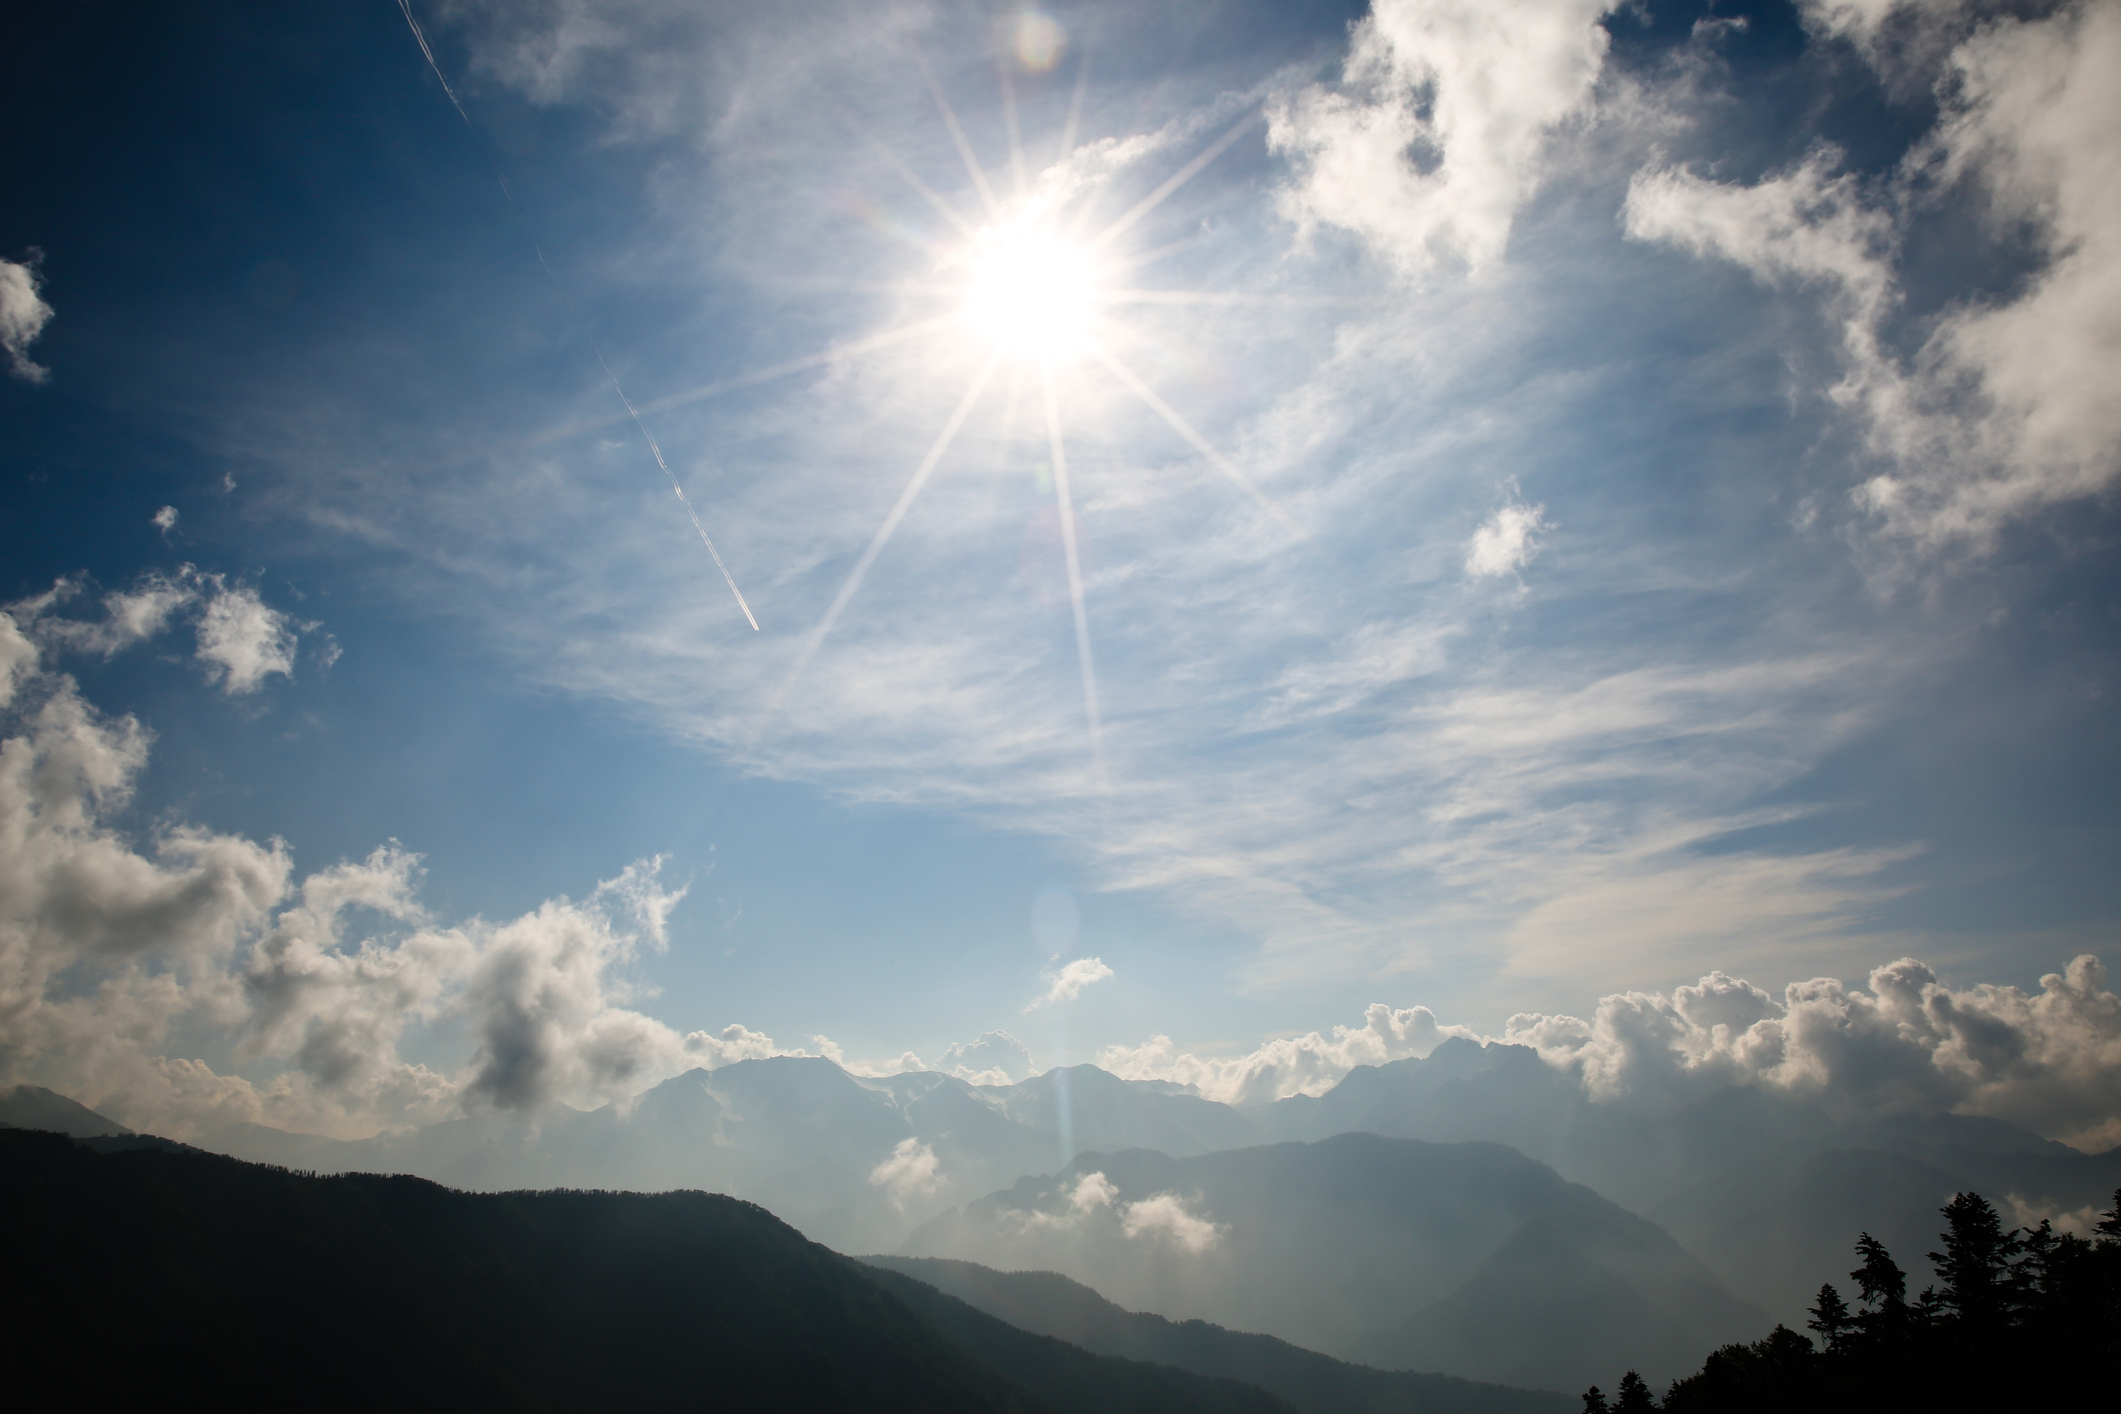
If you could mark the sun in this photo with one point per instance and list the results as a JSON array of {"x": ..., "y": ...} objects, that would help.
[{"x": 1030, "y": 292}]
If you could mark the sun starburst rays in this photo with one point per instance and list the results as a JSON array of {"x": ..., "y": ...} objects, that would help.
[{"x": 1031, "y": 292}]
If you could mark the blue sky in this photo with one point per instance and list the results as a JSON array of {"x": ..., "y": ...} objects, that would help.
[{"x": 1691, "y": 542}]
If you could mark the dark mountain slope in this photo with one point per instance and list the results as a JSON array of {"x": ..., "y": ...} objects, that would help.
[
  {"x": 34, "y": 1107},
  {"x": 1051, "y": 1304},
  {"x": 1068, "y": 1375},
  {"x": 163, "y": 1269}
]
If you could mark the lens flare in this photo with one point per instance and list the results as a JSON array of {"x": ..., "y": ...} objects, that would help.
[
  {"x": 1029, "y": 292},
  {"x": 1039, "y": 41}
]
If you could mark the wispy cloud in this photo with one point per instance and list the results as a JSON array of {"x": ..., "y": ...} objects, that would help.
[{"x": 1376, "y": 754}]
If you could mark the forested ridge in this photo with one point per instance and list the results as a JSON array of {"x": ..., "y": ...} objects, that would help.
[{"x": 2025, "y": 1318}]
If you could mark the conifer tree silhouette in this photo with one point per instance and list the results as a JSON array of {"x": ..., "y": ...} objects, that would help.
[
  {"x": 1594, "y": 1401},
  {"x": 1883, "y": 1286},
  {"x": 1634, "y": 1396},
  {"x": 1830, "y": 1316},
  {"x": 1976, "y": 1262}
]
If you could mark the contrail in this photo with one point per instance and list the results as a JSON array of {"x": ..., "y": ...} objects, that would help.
[
  {"x": 420, "y": 37},
  {"x": 682, "y": 498}
]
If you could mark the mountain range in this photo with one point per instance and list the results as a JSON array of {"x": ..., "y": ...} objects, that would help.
[{"x": 1762, "y": 1193}]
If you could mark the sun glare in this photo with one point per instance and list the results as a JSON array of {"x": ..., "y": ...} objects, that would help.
[{"x": 1029, "y": 292}]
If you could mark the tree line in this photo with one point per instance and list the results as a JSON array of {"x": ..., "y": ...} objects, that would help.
[{"x": 2026, "y": 1318}]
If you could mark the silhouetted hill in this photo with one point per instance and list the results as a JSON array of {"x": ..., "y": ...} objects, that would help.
[
  {"x": 34, "y": 1107},
  {"x": 169, "y": 1272},
  {"x": 1323, "y": 1244},
  {"x": 1069, "y": 1376},
  {"x": 1051, "y": 1304}
]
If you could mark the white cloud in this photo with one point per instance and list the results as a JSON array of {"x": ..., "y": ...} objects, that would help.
[
  {"x": 23, "y": 315},
  {"x": 1067, "y": 983},
  {"x": 911, "y": 1172},
  {"x": 1506, "y": 542},
  {"x": 2050, "y": 1061},
  {"x": 1302, "y": 1065},
  {"x": 2008, "y": 406},
  {"x": 1094, "y": 1200},
  {"x": 243, "y": 641},
  {"x": 735, "y": 1043},
  {"x": 1092, "y": 1194},
  {"x": 1438, "y": 131},
  {"x": 165, "y": 520},
  {"x": 1165, "y": 1217}
]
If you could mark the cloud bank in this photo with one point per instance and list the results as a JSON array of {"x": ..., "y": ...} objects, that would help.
[
  {"x": 1305, "y": 1065},
  {"x": 2049, "y": 1060}
]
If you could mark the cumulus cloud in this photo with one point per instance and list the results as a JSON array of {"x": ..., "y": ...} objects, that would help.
[
  {"x": 1506, "y": 541},
  {"x": 2008, "y": 405},
  {"x": 911, "y": 1172},
  {"x": 2049, "y": 1060},
  {"x": 735, "y": 1043},
  {"x": 23, "y": 315},
  {"x": 994, "y": 1058},
  {"x": 1438, "y": 131},
  {"x": 241, "y": 640},
  {"x": 1304, "y": 1065},
  {"x": 115, "y": 950},
  {"x": 1067, "y": 983},
  {"x": 165, "y": 520}
]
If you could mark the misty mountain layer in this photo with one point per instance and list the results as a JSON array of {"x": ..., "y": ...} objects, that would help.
[
  {"x": 1763, "y": 1189},
  {"x": 1468, "y": 1259}
]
